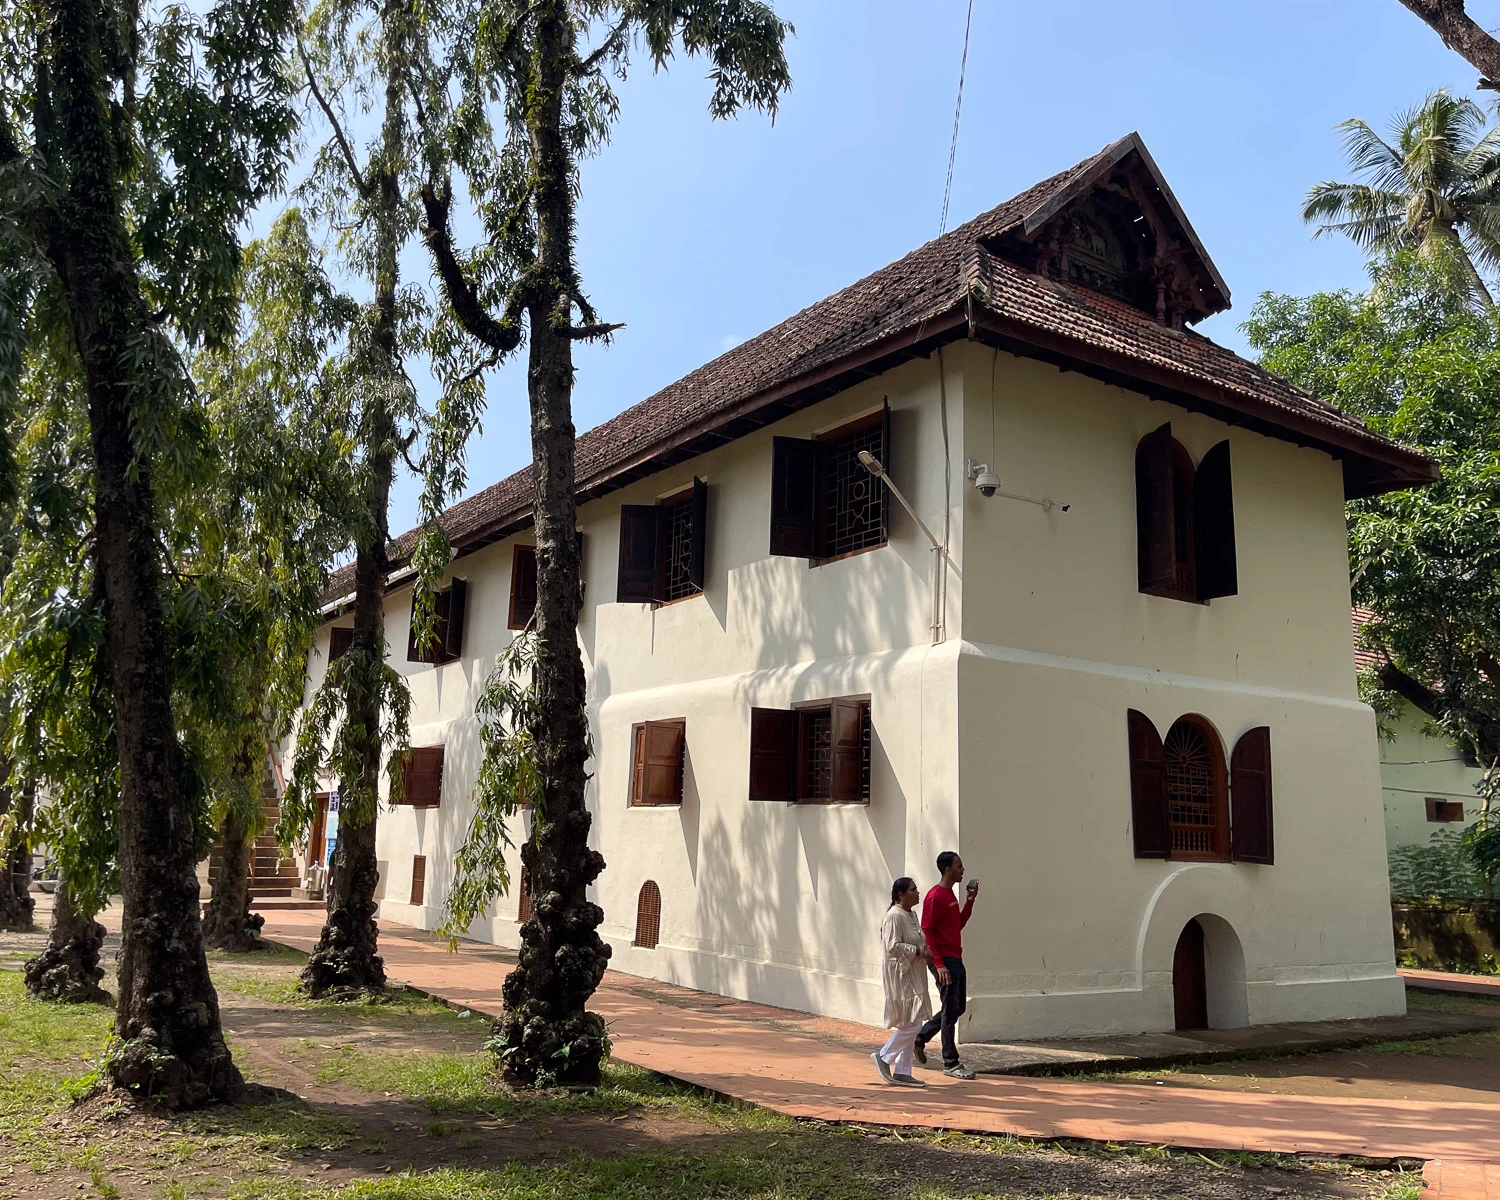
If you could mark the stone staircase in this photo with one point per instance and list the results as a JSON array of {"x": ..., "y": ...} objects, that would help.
[{"x": 271, "y": 876}]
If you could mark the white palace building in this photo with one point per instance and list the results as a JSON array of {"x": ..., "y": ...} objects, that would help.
[{"x": 1122, "y": 686}]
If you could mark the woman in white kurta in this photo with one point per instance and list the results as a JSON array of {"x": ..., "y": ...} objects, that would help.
[{"x": 904, "y": 973}]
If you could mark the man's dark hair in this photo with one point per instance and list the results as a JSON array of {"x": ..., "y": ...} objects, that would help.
[{"x": 945, "y": 860}]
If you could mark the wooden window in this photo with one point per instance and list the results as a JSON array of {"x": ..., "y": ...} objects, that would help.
[
  {"x": 1444, "y": 810},
  {"x": 448, "y": 643},
  {"x": 1184, "y": 520},
  {"x": 1193, "y": 779},
  {"x": 658, "y": 751},
  {"x": 522, "y": 586},
  {"x": 1251, "y": 834},
  {"x": 339, "y": 641},
  {"x": 523, "y": 901},
  {"x": 663, "y": 548},
  {"x": 648, "y": 916},
  {"x": 824, "y": 503},
  {"x": 418, "y": 879},
  {"x": 423, "y": 777},
  {"x": 813, "y": 754},
  {"x": 1185, "y": 805}
]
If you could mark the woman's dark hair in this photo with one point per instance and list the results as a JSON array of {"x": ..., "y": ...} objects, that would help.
[{"x": 901, "y": 887}]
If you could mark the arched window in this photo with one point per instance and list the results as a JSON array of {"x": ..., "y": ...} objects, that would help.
[
  {"x": 523, "y": 906},
  {"x": 648, "y": 916},
  {"x": 1184, "y": 520},
  {"x": 1193, "y": 780}
]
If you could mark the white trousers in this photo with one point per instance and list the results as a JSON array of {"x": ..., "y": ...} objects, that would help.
[{"x": 897, "y": 1051}]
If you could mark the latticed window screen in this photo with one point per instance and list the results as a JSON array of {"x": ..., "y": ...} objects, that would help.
[
  {"x": 853, "y": 499},
  {"x": 1191, "y": 789},
  {"x": 817, "y": 756},
  {"x": 677, "y": 560},
  {"x": 648, "y": 916},
  {"x": 523, "y": 908}
]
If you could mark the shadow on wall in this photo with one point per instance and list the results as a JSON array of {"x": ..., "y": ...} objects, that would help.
[{"x": 1224, "y": 961}]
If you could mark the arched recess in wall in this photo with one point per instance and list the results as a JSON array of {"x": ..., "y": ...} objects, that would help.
[{"x": 648, "y": 916}]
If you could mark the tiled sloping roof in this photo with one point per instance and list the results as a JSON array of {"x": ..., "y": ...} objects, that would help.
[
  {"x": 939, "y": 281},
  {"x": 1364, "y": 657}
]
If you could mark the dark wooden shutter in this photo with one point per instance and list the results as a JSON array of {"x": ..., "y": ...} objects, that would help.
[
  {"x": 1250, "y": 798},
  {"x": 639, "y": 570},
  {"x": 453, "y": 633},
  {"x": 660, "y": 761},
  {"x": 424, "y": 776},
  {"x": 794, "y": 497},
  {"x": 522, "y": 586},
  {"x": 412, "y": 653},
  {"x": 845, "y": 782},
  {"x": 339, "y": 641},
  {"x": 1155, "y": 525},
  {"x": 1148, "y": 797},
  {"x": 418, "y": 878},
  {"x": 773, "y": 754},
  {"x": 697, "y": 568},
  {"x": 1213, "y": 525}
]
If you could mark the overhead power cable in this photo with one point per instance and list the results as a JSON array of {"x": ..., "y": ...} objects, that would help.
[{"x": 958, "y": 108}]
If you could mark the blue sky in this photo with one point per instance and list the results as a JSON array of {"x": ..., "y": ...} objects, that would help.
[{"x": 698, "y": 234}]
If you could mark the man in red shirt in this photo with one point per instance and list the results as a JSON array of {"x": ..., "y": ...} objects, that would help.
[{"x": 942, "y": 923}]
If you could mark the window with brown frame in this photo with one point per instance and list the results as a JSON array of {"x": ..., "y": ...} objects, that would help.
[
  {"x": 1187, "y": 804},
  {"x": 339, "y": 641},
  {"x": 664, "y": 548},
  {"x": 658, "y": 755},
  {"x": 418, "y": 879},
  {"x": 523, "y": 900},
  {"x": 523, "y": 585},
  {"x": 1184, "y": 520},
  {"x": 824, "y": 502},
  {"x": 422, "y": 777},
  {"x": 1444, "y": 810},
  {"x": 648, "y": 916},
  {"x": 448, "y": 645},
  {"x": 815, "y": 753}
]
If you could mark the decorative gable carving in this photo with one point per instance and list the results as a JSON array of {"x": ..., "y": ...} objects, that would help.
[{"x": 1118, "y": 230}]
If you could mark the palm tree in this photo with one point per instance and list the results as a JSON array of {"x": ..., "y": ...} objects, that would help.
[{"x": 1435, "y": 192}]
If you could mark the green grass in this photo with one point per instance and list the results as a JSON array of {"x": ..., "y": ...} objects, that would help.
[
  {"x": 467, "y": 1083},
  {"x": 1451, "y": 1002},
  {"x": 397, "y": 1005},
  {"x": 1460, "y": 1045}
]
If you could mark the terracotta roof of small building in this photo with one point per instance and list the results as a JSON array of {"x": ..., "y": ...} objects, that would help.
[
  {"x": 952, "y": 287},
  {"x": 1363, "y": 655}
]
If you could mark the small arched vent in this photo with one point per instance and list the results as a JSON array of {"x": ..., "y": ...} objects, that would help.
[{"x": 648, "y": 916}]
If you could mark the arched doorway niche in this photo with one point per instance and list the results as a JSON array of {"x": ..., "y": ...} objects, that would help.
[{"x": 1208, "y": 976}]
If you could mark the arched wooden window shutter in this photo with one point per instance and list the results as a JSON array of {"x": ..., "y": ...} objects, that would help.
[
  {"x": 523, "y": 905},
  {"x": 1213, "y": 525},
  {"x": 1156, "y": 538},
  {"x": 648, "y": 916},
  {"x": 1250, "y": 798},
  {"x": 1148, "y": 802}
]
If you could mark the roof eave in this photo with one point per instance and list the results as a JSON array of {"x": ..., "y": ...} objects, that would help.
[{"x": 1371, "y": 465}]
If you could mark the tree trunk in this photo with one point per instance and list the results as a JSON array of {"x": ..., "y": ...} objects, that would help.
[
  {"x": 345, "y": 963},
  {"x": 227, "y": 923},
  {"x": 16, "y": 904},
  {"x": 170, "y": 1045},
  {"x": 68, "y": 968},
  {"x": 1460, "y": 32},
  {"x": 546, "y": 1033}
]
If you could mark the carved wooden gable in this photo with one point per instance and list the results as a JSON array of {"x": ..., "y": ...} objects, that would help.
[{"x": 1119, "y": 231}]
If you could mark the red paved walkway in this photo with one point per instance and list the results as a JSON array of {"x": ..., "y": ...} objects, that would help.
[
  {"x": 1452, "y": 981},
  {"x": 818, "y": 1068}
]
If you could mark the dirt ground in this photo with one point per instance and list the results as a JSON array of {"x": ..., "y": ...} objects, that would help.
[{"x": 394, "y": 1098}]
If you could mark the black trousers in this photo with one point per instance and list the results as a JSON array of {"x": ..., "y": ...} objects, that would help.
[{"x": 954, "y": 999}]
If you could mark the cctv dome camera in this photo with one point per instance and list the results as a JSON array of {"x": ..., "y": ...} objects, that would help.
[{"x": 987, "y": 482}]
